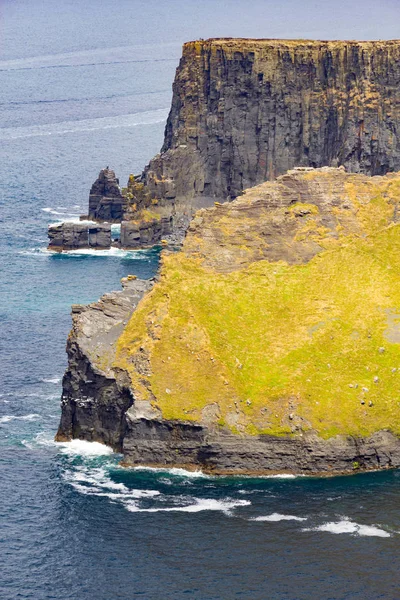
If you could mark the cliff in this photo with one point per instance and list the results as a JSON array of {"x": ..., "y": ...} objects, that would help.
[
  {"x": 269, "y": 343},
  {"x": 245, "y": 111}
]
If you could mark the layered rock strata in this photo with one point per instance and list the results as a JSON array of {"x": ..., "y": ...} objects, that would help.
[
  {"x": 139, "y": 234},
  {"x": 106, "y": 202},
  {"x": 244, "y": 111},
  {"x": 74, "y": 236},
  {"x": 269, "y": 343},
  {"x": 95, "y": 396}
]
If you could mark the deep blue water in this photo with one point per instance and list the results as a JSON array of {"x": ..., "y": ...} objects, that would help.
[{"x": 85, "y": 84}]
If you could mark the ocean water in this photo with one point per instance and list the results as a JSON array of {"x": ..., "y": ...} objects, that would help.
[{"x": 85, "y": 84}]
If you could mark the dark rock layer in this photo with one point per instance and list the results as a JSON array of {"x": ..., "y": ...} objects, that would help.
[
  {"x": 106, "y": 202},
  {"x": 73, "y": 236},
  {"x": 145, "y": 233},
  {"x": 244, "y": 111},
  {"x": 176, "y": 443},
  {"x": 95, "y": 398}
]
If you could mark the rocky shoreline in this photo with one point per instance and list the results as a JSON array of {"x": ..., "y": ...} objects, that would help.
[
  {"x": 98, "y": 405},
  {"x": 277, "y": 104}
]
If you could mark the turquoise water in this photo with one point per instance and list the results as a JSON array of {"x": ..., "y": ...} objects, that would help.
[{"x": 84, "y": 85}]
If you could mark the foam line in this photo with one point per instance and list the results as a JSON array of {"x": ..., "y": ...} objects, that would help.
[{"x": 64, "y": 127}]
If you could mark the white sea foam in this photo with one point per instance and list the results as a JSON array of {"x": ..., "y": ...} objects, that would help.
[
  {"x": 8, "y": 418},
  {"x": 111, "y": 253},
  {"x": 274, "y": 517},
  {"x": 97, "y": 482},
  {"x": 52, "y": 380},
  {"x": 198, "y": 505},
  {"x": 84, "y": 448},
  {"x": 120, "y": 121},
  {"x": 175, "y": 471},
  {"x": 347, "y": 526},
  {"x": 283, "y": 476},
  {"x": 73, "y": 219}
]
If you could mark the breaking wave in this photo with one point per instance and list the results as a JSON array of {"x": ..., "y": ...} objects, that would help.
[
  {"x": 347, "y": 526},
  {"x": 196, "y": 505},
  {"x": 84, "y": 448},
  {"x": 275, "y": 517},
  {"x": 8, "y": 418}
]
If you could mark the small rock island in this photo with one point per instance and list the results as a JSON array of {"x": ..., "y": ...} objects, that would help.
[{"x": 270, "y": 342}]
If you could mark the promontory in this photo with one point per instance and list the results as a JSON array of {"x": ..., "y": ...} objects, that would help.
[{"x": 270, "y": 342}]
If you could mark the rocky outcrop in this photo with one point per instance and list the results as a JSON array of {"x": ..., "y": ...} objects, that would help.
[
  {"x": 106, "y": 202},
  {"x": 139, "y": 234},
  {"x": 266, "y": 345},
  {"x": 95, "y": 396},
  {"x": 159, "y": 443},
  {"x": 74, "y": 236},
  {"x": 292, "y": 218},
  {"x": 245, "y": 111}
]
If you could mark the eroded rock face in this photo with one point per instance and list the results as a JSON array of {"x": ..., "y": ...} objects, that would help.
[
  {"x": 155, "y": 442},
  {"x": 145, "y": 233},
  {"x": 293, "y": 218},
  {"x": 95, "y": 396},
  {"x": 245, "y": 111},
  {"x": 264, "y": 346},
  {"x": 73, "y": 236},
  {"x": 106, "y": 202}
]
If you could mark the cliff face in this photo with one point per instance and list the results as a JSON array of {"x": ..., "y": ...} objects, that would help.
[
  {"x": 270, "y": 342},
  {"x": 244, "y": 111}
]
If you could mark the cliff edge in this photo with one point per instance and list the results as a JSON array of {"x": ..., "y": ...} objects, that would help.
[
  {"x": 269, "y": 343},
  {"x": 247, "y": 110}
]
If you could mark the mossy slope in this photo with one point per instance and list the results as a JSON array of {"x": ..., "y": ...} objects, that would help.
[{"x": 274, "y": 347}]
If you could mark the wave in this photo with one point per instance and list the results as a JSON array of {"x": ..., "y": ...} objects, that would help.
[
  {"x": 275, "y": 517},
  {"x": 95, "y": 56},
  {"x": 96, "y": 481},
  {"x": 8, "y": 418},
  {"x": 110, "y": 252},
  {"x": 50, "y": 210},
  {"x": 198, "y": 505},
  {"x": 174, "y": 471},
  {"x": 94, "y": 64},
  {"x": 129, "y": 120},
  {"x": 52, "y": 380},
  {"x": 62, "y": 212},
  {"x": 84, "y": 448},
  {"x": 348, "y": 526},
  {"x": 73, "y": 219},
  {"x": 82, "y": 99}
]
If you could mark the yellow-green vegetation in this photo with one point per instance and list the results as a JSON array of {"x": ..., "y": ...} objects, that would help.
[
  {"x": 275, "y": 344},
  {"x": 147, "y": 215},
  {"x": 136, "y": 194},
  {"x": 272, "y": 347}
]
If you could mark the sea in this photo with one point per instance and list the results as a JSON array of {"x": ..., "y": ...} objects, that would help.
[{"x": 86, "y": 84}]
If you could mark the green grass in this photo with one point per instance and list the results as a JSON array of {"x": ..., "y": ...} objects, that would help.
[{"x": 275, "y": 345}]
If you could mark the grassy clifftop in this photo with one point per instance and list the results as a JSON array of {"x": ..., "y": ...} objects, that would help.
[{"x": 263, "y": 345}]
